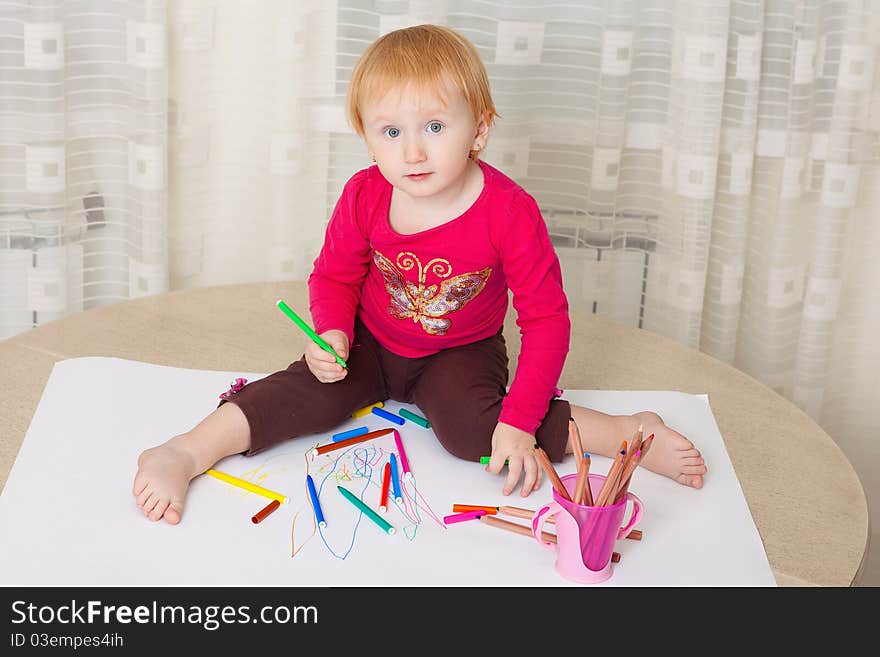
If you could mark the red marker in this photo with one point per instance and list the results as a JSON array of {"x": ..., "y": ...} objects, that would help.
[
  {"x": 265, "y": 511},
  {"x": 386, "y": 480}
]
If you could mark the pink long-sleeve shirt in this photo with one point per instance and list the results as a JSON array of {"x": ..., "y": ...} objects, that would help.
[{"x": 448, "y": 286}]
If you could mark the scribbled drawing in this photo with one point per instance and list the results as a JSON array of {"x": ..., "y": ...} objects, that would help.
[{"x": 359, "y": 469}]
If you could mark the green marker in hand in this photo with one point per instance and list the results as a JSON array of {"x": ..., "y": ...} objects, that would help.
[{"x": 309, "y": 331}]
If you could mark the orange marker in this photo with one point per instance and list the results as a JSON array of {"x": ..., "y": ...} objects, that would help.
[
  {"x": 386, "y": 480},
  {"x": 265, "y": 511},
  {"x": 462, "y": 508}
]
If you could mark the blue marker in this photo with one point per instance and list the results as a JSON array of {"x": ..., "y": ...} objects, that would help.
[
  {"x": 395, "y": 479},
  {"x": 391, "y": 417},
  {"x": 316, "y": 505},
  {"x": 349, "y": 434}
]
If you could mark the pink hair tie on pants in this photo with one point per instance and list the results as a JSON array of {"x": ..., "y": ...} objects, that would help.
[{"x": 234, "y": 387}]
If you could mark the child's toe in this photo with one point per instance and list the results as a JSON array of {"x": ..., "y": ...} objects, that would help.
[
  {"x": 172, "y": 514},
  {"x": 692, "y": 480},
  {"x": 143, "y": 496},
  {"x": 151, "y": 503},
  {"x": 158, "y": 510}
]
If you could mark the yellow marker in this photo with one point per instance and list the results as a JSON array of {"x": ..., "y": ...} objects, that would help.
[
  {"x": 366, "y": 410},
  {"x": 241, "y": 483}
]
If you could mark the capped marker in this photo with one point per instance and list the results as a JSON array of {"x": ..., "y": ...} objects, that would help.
[
  {"x": 391, "y": 417},
  {"x": 372, "y": 515},
  {"x": 359, "y": 413},
  {"x": 404, "y": 463},
  {"x": 360, "y": 431},
  {"x": 461, "y": 508},
  {"x": 265, "y": 511},
  {"x": 246, "y": 485},
  {"x": 309, "y": 331},
  {"x": 395, "y": 479},
  {"x": 316, "y": 505},
  {"x": 412, "y": 417},
  {"x": 463, "y": 516},
  {"x": 386, "y": 481}
]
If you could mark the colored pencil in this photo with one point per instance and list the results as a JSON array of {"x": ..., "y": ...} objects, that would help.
[
  {"x": 366, "y": 410},
  {"x": 625, "y": 475},
  {"x": 265, "y": 511},
  {"x": 634, "y": 446},
  {"x": 246, "y": 485},
  {"x": 582, "y": 481},
  {"x": 395, "y": 479},
  {"x": 412, "y": 417},
  {"x": 351, "y": 433},
  {"x": 391, "y": 417},
  {"x": 495, "y": 521},
  {"x": 404, "y": 462},
  {"x": 386, "y": 482},
  {"x": 544, "y": 460},
  {"x": 484, "y": 460},
  {"x": 574, "y": 439},
  {"x": 329, "y": 447},
  {"x": 587, "y": 499},
  {"x": 316, "y": 504},
  {"x": 624, "y": 487},
  {"x": 367, "y": 511},
  {"x": 309, "y": 331},
  {"x": 611, "y": 478},
  {"x": 462, "y": 517}
]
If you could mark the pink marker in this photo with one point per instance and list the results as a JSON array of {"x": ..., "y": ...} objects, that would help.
[
  {"x": 461, "y": 517},
  {"x": 404, "y": 463}
]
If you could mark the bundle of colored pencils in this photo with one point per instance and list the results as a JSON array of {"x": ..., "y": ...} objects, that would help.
[{"x": 620, "y": 473}]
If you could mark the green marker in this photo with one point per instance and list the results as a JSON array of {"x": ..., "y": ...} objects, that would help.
[
  {"x": 372, "y": 515},
  {"x": 309, "y": 331},
  {"x": 418, "y": 419},
  {"x": 485, "y": 460}
]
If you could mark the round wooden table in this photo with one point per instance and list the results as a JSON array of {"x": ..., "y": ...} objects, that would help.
[{"x": 813, "y": 535}]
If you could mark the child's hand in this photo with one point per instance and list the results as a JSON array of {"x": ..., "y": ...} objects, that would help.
[
  {"x": 321, "y": 363},
  {"x": 518, "y": 448}
]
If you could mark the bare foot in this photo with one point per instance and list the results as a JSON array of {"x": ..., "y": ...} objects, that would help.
[
  {"x": 671, "y": 454},
  {"x": 164, "y": 473}
]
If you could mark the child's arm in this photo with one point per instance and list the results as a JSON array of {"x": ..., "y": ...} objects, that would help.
[
  {"x": 535, "y": 277},
  {"x": 341, "y": 266}
]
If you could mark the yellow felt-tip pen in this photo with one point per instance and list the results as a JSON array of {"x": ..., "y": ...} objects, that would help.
[{"x": 248, "y": 486}]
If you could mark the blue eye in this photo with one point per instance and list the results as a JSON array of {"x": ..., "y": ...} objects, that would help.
[
  {"x": 394, "y": 133},
  {"x": 435, "y": 127}
]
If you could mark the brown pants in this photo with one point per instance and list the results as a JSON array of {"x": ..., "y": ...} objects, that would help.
[{"x": 459, "y": 391}]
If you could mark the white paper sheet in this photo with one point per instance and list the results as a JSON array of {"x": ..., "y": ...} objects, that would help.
[{"x": 68, "y": 516}]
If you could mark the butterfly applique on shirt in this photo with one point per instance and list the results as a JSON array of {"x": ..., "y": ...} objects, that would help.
[{"x": 428, "y": 305}]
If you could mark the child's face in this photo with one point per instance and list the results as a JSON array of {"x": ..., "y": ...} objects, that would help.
[{"x": 420, "y": 142}]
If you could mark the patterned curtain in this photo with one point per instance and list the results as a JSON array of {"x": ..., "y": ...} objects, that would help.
[
  {"x": 83, "y": 97},
  {"x": 709, "y": 169}
]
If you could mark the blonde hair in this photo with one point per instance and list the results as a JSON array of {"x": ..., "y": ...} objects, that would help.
[{"x": 428, "y": 56}]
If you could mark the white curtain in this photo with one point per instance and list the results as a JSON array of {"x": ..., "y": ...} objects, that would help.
[
  {"x": 83, "y": 97},
  {"x": 709, "y": 169}
]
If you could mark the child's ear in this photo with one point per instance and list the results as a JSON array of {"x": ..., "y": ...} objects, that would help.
[{"x": 483, "y": 126}]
